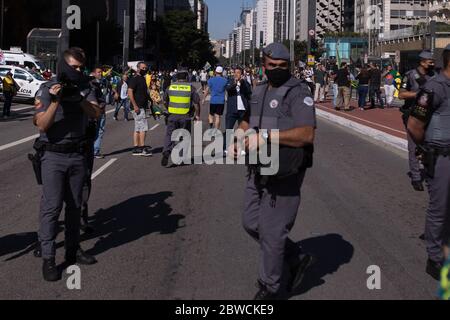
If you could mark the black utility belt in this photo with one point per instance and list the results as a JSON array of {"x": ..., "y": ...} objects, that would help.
[
  {"x": 79, "y": 147},
  {"x": 440, "y": 151}
]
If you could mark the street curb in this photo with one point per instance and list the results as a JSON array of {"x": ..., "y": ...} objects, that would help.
[{"x": 396, "y": 142}]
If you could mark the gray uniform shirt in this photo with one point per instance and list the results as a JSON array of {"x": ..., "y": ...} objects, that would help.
[
  {"x": 296, "y": 110},
  {"x": 70, "y": 120},
  {"x": 438, "y": 130}
]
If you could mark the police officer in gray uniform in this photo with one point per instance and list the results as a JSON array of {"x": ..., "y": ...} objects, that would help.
[
  {"x": 429, "y": 126},
  {"x": 179, "y": 112},
  {"x": 413, "y": 82},
  {"x": 62, "y": 111},
  {"x": 281, "y": 111}
]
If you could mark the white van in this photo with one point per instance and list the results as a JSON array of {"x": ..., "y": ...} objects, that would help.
[
  {"x": 19, "y": 58},
  {"x": 28, "y": 80}
]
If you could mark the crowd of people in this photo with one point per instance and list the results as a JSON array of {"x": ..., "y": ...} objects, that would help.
[{"x": 373, "y": 86}]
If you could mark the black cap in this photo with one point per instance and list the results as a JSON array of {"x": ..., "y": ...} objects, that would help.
[{"x": 277, "y": 51}]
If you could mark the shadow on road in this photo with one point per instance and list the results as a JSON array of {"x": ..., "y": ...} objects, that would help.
[
  {"x": 123, "y": 223},
  {"x": 331, "y": 251},
  {"x": 131, "y": 220},
  {"x": 22, "y": 243}
]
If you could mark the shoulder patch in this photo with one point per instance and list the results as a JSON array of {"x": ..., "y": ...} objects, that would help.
[{"x": 308, "y": 101}]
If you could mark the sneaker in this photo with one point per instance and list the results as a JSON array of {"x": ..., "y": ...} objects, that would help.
[
  {"x": 137, "y": 151},
  {"x": 115, "y": 119},
  {"x": 146, "y": 152},
  {"x": 99, "y": 156}
]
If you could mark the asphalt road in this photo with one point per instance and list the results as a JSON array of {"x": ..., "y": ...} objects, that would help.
[{"x": 176, "y": 233}]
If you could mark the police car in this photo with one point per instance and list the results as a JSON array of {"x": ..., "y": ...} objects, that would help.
[{"x": 29, "y": 81}]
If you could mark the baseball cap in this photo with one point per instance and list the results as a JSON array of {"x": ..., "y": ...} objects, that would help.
[{"x": 219, "y": 70}]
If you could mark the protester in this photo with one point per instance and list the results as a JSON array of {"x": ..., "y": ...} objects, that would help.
[
  {"x": 216, "y": 87},
  {"x": 343, "y": 83},
  {"x": 375, "y": 85},
  {"x": 363, "y": 87},
  {"x": 319, "y": 79},
  {"x": 123, "y": 101}
]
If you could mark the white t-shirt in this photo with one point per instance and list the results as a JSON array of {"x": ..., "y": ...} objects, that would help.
[
  {"x": 240, "y": 103},
  {"x": 204, "y": 76},
  {"x": 124, "y": 91}
]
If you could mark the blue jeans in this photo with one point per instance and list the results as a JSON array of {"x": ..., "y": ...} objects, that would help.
[
  {"x": 362, "y": 93},
  {"x": 230, "y": 121},
  {"x": 125, "y": 103},
  {"x": 100, "y": 132}
]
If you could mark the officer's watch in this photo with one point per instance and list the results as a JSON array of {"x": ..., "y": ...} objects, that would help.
[{"x": 266, "y": 136}]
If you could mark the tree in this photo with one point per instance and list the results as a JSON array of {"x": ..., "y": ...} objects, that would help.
[
  {"x": 300, "y": 49},
  {"x": 187, "y": 45}
]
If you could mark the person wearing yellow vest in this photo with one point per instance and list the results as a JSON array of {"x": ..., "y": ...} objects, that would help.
[
  {"x": 182, "y": 103},
  {"x": 9, "y": 91}
]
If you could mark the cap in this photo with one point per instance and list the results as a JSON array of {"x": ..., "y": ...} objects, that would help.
[
  {"x": 426, "y": 55},
  {"x": 219, "y": 70},
  {"x": 447, "y": 47},
  {"x": 277, "y": 51}
]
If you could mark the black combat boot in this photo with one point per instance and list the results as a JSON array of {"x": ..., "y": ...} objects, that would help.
[
  {"x": 264, "y": 294},
  {"x": 165, "y": 160},
  {"x": 418, "y": 186},
  {"x": 49, "y": 270},
  {"x": 434, "y": 269},
  {"x": 77, "y": 255}
]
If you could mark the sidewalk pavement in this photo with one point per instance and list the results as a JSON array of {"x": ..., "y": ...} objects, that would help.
[{"x": 384, "y": 125}]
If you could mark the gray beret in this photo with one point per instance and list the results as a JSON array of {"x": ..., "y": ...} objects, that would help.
[{"x": 277, "y": 51}]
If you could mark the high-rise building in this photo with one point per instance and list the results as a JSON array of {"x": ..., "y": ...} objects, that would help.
[
  {"x": 385, "y": 16},
  {"x": 322, "y": 16}
]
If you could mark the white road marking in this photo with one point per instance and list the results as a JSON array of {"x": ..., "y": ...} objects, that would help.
[
  {"x": 23, "y": 108},
  {"x": 13, "y": 144},
  {"x": 103, "y": 168},
  {"x": 33, "y": 137},
  {"x": 154, "y": 127}
]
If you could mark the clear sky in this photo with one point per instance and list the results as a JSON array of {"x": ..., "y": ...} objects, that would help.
[{"x": 222, "y": 15}]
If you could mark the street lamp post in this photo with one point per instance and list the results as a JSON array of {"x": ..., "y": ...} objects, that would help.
[{"x": 2, "y": 25}]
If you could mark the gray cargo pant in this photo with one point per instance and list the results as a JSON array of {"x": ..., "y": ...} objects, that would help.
[
  {"x": 438, "y": 215},
  {"x": 174, "y": 122},
  {"x": 269, "y": 216},
  {"x": 63, "y": 176}
]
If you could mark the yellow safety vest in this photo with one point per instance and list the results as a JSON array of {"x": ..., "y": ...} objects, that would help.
[{"x": 180, "y": 98}]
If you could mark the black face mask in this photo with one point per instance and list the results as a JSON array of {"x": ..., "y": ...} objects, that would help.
[
  {"x": 70, "y": 76},
  {"x": 142, "y": 72},
  {"x": 430, "y": 69},
  {"x": 277, "y": 77}
]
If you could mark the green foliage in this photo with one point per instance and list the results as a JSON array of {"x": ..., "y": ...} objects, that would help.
[{"x": 188, "y": 46}]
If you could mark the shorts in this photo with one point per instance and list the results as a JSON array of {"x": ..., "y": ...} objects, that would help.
[
  {"x": 140, "y": 121},
  {"x": 216, "y": 109}
]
